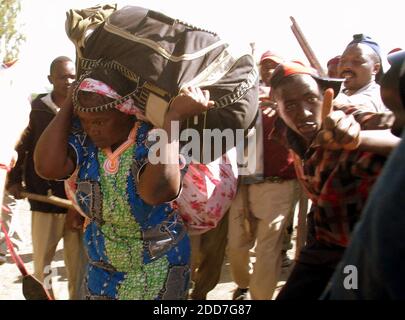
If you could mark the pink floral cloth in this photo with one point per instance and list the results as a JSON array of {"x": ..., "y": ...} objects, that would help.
[
  {"x": 99, "y": 87},
  {"x": 207, "y": 194}
]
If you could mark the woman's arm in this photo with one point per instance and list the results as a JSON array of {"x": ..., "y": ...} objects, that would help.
[
  {"x": 51, "y": 155},
  {"x": 160, "y": 182}
]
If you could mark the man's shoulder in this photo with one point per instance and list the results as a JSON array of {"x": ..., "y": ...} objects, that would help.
[
  {"x": 374, "y": 86},
  {"x": 38, "y": 102},
  {"x": 361, "y": 102},
  {"x": 39, "y": 105}
]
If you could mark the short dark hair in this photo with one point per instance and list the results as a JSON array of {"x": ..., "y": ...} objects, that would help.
[{"x": 58, "y": 60}]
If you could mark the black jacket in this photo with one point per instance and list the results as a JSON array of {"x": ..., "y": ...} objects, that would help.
[{"x": 40, "y": 116}]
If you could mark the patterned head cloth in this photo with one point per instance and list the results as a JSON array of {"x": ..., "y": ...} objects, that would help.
[
  {"x": 287, "y": 69},
  {"x": 124, "y": 104}
]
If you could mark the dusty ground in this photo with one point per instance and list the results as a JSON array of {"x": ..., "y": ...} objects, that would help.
[{"x": 10, "y": 284}]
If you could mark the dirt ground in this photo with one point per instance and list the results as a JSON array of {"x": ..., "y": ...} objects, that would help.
[{"x": 11, "y": 286}]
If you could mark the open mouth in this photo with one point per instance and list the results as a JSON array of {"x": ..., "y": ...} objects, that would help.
[
  {"x": 308, "y": 128},
  {"x": 347, "y": 75}
]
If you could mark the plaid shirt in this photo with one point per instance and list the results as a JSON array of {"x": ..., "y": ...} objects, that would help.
[
  {"x": 338, "y": 182},
  {"x": 368, "y": 119}
]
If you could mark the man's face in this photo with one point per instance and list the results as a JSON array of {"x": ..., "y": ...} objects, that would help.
[
  {"x": 357, "y": 66},
  {"x": 267, "y": 67},
  {"x": 299, "y": 100},
  {"x": 62, "y": 76}
]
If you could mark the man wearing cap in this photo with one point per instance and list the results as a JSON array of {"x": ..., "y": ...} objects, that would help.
[
  {"x": 393, "y": 51},
  {"x": 268, "y": 62},
  {"x": 263, "y": 206},
  {"x": 360, "y": 65},
  {"x": 337, "y": 163},
  {"x": 332, "y": 66},
  {"x": 377, "y": 250}
]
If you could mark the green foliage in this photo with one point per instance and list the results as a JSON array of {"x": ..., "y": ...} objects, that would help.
[{"x": 10, "y": 35}]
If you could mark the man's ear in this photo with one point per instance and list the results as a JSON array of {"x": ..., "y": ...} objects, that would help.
[
  {"x": 377, "y": 67},
  {"x": 50, "y": 79}
]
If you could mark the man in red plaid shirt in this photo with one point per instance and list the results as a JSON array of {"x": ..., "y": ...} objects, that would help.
[{"x": 337, "y": 163}]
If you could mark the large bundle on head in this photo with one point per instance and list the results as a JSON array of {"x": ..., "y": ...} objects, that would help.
[{"x": 161, "y": 55}]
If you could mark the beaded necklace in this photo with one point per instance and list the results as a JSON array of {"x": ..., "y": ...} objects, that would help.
[{"x": 112, "y": 162}]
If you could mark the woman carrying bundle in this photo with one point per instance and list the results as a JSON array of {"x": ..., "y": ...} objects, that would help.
[{"x": 136, "y": 242}]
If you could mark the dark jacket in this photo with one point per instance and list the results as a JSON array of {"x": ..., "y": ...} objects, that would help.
[
  {"x": 373, "y": 265},
  {"x": 40, "y": 116}
]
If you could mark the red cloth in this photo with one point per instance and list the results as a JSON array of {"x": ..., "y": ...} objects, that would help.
[
  {"x": 271, "y": 56},
  {"x": 394, "y": 50},
  {"x": 278, "y": 160},
  {"x": 333, "y": 61},
  {"x": 338, "y": 183}
]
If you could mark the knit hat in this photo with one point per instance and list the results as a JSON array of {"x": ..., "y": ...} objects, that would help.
[{"x": 361, "y": 38}]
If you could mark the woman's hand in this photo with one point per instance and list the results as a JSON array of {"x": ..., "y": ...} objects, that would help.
[
  {"x": 190, "y": 102},
  {"x": 68, "y": 103}
]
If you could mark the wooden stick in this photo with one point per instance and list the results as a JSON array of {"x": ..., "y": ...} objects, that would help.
[
  {"x": 309, "y": 53},
  {"x": 60, "y": 202}
]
